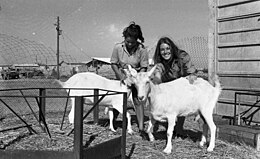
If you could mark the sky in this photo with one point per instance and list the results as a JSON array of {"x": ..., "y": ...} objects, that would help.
[{"x": 91, "y": 28}]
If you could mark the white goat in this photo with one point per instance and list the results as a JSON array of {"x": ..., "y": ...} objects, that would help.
[
  {"x": 89, "y": 80},
  {"x": 178, "y": 98}
]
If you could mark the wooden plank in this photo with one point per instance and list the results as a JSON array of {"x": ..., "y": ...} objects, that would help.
[
  {"x": 239, "y": 134},
  {"x": 32, "y": 154},
  {"x": 223, "y": 3},
  {"x": 105, "y": 150},
  {"x": 242, "y": 9}
]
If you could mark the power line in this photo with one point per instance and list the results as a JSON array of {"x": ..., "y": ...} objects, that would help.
[{"x": 81, "y": 51}]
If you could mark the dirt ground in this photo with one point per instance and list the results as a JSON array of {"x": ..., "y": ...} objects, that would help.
[{"x": 137, "y": 148}]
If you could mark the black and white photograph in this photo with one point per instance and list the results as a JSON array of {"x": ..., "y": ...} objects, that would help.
[{"x": 130, "y": 79}]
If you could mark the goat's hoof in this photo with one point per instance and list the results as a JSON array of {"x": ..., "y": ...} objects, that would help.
[
  {"x": 209, "y": 149},
  {"x": 151, "y": 138},
  {"x": 130, "y": 132},
  {"x": 201, "y": 144},
  {"x": 71, "y": 121},
  {"x": 113, "y": 130},
  {"x": 167, "y": 151}
]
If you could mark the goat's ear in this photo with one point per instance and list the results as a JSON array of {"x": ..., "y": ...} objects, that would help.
[
  {"x": 127, "y": 72},
  {"x": 132, "y": 71},
  {"x": 150, "y": 73}
]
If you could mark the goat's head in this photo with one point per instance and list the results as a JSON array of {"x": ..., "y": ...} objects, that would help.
[{"x": 141, "y": 81}]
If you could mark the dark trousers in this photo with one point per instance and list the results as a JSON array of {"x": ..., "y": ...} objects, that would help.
[{"x": 179, "y": 125}]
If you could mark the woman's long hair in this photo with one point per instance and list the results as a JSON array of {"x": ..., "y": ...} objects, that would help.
[{"x": 174, "y": 51}]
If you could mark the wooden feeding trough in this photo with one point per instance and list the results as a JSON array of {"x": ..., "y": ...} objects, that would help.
[{"x": 109, "y": 149}]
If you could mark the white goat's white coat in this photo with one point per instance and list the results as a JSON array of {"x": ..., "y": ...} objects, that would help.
[
  {"x": 178, "y": 98},
  {"x": 89, "y": 80}
]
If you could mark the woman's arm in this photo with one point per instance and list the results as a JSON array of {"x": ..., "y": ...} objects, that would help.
[
  {"x": 187, "y": 64},
  {"x": 118, "y": 73}
]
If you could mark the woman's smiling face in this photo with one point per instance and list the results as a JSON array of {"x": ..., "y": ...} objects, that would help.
[{"x": 165, "y": 51}]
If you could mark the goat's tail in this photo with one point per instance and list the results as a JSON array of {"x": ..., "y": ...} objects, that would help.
[
  {"x": 216, "y": 81},
  {"x": 217, "y": 85}
]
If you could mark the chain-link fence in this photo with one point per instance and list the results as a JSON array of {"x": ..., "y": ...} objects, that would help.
[{"x": 197, "y": 47}]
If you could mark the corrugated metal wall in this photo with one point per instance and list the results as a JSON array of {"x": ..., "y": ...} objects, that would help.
[{"x": 235, "y": 35}]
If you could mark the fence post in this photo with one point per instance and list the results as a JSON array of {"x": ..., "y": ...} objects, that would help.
[
  {"x": 78, "y": 128},
  {"x": 96, "y": 109},
  {"x": 42, "y": 93}
]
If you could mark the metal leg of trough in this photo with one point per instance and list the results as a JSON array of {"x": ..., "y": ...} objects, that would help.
[
  {"x": 123, "y": 142},
  {"x": 65, "y": 109},
  {"x": 96, "y": 109},
  {"x": 42, "y": 104},
  {"x": 78, "y": 126},
  {"x": 27, "y": 102},
  {"x": 235, "y": 109},
  {"x": 27, "y": 125},
  {"x": 103, "y": 96}
]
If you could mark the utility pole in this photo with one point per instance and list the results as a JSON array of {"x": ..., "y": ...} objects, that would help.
[{"x": 58, "y": 49}]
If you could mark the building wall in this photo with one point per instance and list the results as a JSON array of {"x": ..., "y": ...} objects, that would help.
[{"x": 234, "y": 45}]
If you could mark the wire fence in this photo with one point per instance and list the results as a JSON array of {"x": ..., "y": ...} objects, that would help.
[{"x": 197, "y": 47}]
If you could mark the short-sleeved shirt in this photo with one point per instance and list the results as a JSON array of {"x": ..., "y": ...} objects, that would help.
[
  {"x": 122, "y": 58},
  {"x": 181, "y": 67}
]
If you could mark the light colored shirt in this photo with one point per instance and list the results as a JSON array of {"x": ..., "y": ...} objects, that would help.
[{"x": 121, "y": 57}]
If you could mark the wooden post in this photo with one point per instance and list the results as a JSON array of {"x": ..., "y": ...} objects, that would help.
[
  {"x": 96, "y": 109},
  {"x": 42, "y": 93},
  {"x": 212, "y": 43},
  {"x": 211, "y": 40},
  {"x": 78, "y": 128},
  {"x": 123, "y": 139}
]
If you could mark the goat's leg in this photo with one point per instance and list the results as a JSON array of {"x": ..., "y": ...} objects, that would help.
[
  {"x": 211, "y": 125},
  {"x": 171, "y": 124},
  {"x": 212, "y": 128},
  {"x": 71, "y": 114},
  {"x": 204, "y": 135},
  {"x": 149, "y": 130},
  {"x": 111, "y": 117},
  {"x": 129, "y": 127}
]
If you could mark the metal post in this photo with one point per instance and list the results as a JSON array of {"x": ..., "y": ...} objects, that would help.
[
  {"x": 123, "y": 139},
  {"x": 42, "y": 93},
  {"x": 96, "y": 109},
  {"x": 238, "y": 113},
  {"x": 78, "y": 128},
  {"x": 235, "y": 109}
]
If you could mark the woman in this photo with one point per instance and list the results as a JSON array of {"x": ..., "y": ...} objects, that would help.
[
  {"x": 131, "y": 52},
  {"x": 172, "y": 63}
]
